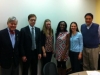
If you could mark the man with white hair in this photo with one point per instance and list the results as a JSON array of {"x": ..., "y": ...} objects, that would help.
[{"x": 9, "y": 53}]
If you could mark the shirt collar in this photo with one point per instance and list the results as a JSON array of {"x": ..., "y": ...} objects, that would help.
[
  {"x": 31, "y": 27},
  {"x": 89, "y": 25},
  {"x": 9, "y": 30}
]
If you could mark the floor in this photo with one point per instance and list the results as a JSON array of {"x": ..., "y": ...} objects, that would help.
[{"x": 39, "y": 66}]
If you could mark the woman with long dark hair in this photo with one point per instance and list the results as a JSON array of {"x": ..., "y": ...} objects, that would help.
[
  {"x": 62, "y": 45},
  {"x": 76, "y": 47}
]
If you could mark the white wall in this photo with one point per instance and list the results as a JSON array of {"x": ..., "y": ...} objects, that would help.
[{"x": 55, "y": 10}]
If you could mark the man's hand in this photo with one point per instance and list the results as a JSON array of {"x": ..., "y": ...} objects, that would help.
[
  {"x": 39, "y": 56},
  {"x": 24, "y": 59}
]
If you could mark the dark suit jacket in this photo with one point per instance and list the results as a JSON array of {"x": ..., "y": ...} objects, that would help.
[
  {"x": 8, "y": 54},
  {"x": 26, "y": 41}
]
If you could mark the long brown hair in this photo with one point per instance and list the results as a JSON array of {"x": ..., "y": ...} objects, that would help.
[
  {"x": 45, "y": 29},
  {"x": 70, "y": 31}
]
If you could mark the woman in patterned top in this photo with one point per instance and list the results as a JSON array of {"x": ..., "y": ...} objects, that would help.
[
  {"x": 47, "y": 42},
  {"x": 62, "y": 45}
]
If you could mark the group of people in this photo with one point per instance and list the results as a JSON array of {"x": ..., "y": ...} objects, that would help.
[{"x": 32, "y": 44}]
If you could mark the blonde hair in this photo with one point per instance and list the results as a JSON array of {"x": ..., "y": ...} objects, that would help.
[{"x": 45, "y": 29}]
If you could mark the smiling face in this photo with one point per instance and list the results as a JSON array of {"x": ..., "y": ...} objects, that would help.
[
  {"x": 88, "y": 19},
  {"x": 48, "y": 25},
  {"x": 73, "y": 27},
  {"x": 12, "y": 25},
  {"x": 62, "y": 26}
]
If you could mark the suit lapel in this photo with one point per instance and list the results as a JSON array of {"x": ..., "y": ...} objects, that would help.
[
  {"x": 35, "y": 33},
  {"x": 28, "y": 32},
  {"x": 8, "y": 37}
]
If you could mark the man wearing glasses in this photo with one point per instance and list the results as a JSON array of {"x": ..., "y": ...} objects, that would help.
[{"x": 30, "y": 46}]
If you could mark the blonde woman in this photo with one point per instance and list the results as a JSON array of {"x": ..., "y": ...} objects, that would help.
[{"x": 47, "y": 42}]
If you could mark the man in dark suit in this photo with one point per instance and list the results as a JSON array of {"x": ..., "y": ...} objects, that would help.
[
  {"x": 30, "y": 46},
  {"x": 9, "y": 53}
]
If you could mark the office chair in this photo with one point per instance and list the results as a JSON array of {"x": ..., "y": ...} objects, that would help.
[{"x": 50, "y": 69}]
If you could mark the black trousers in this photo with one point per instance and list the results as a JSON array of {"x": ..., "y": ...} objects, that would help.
[
  {"x": 61, "y": 64},
  {"x": 75, "y": 62},
  {"x": 46, "y": 59},
  {"x": 32, "y": 63},
  {"x": 11, "y": 71}
]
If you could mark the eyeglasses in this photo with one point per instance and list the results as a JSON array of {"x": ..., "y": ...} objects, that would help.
[{"x": 32, "y": 20}]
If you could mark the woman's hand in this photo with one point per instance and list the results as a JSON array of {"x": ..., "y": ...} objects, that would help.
[
  {"x": 62, "y": 58},
  {"x": 44, "y": 54},
  {"x": 80, "y": 56}
]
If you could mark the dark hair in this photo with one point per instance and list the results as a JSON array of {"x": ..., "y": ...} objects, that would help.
[
  {"x": 88, "y": 14},
  {"x": 59, "y": 29},
  {"x": 31, "y": 15},
  {"x": 70, "y": 31}
]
